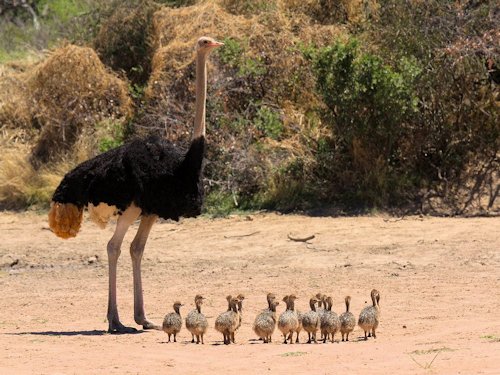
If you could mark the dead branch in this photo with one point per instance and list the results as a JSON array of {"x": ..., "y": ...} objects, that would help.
[
  {"x": 298, "y": 239},
  {"x": 242, "y": 235}
]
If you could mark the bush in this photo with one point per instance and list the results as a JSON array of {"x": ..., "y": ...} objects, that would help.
[
  {"x": 457, "y": 127},
  {"x": 123, "y": 38},
  {"x": 368, "y": 104},
  {"x": 268, "y": 122}
]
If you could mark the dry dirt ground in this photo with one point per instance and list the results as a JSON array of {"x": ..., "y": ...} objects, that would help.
[{"x": 438, "y": 280}]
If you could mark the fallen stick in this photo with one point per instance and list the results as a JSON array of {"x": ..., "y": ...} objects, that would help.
[
  {"x": 305, "y": 239},
  {"x": 242, "y": 235}
]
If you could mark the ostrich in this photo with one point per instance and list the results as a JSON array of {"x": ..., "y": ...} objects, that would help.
[{"x": 146, "y": 178}]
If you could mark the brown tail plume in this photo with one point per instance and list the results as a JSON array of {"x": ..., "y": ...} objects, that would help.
[{"x": 65, "y": 219}]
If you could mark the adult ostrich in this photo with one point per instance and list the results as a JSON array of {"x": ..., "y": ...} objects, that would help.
[{"x": 147, "y": 178}]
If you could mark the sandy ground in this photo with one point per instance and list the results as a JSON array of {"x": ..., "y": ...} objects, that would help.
[{"x": 438, "y": 280}]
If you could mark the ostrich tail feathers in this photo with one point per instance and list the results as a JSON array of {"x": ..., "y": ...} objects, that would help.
[{"x": 65, "y": 219}]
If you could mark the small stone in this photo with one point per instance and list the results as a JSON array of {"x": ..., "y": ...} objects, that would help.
[{"x": 92, "y": 260}]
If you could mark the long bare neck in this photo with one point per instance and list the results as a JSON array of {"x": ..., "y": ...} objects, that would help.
[
  {"x": 329, "y": 305},
  {"x": 201, "y": 95},
  {"x": 198, "y": 307},
  {"x": 234, "y": 307},
  {"x": 347, "y": 303},
  {"x": 312, "y": 304}
]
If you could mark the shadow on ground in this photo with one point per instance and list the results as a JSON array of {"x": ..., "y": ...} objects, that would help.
[{"x": 72, "y": 333}]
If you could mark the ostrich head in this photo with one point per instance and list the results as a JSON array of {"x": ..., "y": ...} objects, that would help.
[
  {"x": 177, "y": 306},
  {"x": 205, "y": 45}
]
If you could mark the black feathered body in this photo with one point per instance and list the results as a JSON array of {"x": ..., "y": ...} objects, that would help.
[{"x": 152, "y": 173}]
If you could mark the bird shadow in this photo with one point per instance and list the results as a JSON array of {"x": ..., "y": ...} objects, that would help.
[
  {"x": 218, "y": 343},
  {"x": 95, "y": 332}
]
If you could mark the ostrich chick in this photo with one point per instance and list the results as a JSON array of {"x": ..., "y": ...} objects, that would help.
[
  {"x": 265, "y": 322},
  {"x": 227, "y": 322},
  {"x": 288, "y": 321},
  {"x": 347, "y": 320},
  {"x": 270, "y": 297},
  {"x": 173, "y": 322},
  {"x": 330, "y": 322},
  {"x": 196, "y": 322},
  {"x": 311, "y": 321},
  {"x": 370, "y": 315}
]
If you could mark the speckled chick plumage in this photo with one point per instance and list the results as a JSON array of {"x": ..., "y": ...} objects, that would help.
[
  {"x": 227, "y": 322},
  {"x": 196, "y": 322},
  {"x": 172, "y": 323},
  {"x": 347, "y": 320},
  {"x": 330, "y": 322},
  {"x": 370, "y": 315},
  {"x": 265, "y": 322},
  {"x": 311, "y": 320},
  {"x": 288, "y": 321}
]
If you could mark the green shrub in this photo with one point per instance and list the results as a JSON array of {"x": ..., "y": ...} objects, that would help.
[
  {"x": 63, "y": 10},
  {"x": 122, "y": 41},
  {"x": 268, "y": 122},
  {"x": 110, "y": 135},
  {"x": 368, "y": 103},
  {"x": 231, "y": 52},
  {"x": 234, "y": 54},
  {"x": 457, "y": 128}
]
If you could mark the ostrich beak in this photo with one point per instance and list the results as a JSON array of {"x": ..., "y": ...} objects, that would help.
[{"x": 215, "y": 44}]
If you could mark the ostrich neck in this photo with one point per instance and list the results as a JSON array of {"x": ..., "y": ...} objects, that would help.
[{"x": 201, "y": 95}]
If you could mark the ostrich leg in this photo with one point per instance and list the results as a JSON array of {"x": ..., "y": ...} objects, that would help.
[
  {"x": 114, "y": 245},
  {"x": 136, "y": 251}
]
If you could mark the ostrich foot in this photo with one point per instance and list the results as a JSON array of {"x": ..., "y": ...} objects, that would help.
[
  {"x": 146, "y": 324},
  {"x": 117, "y": 327}
]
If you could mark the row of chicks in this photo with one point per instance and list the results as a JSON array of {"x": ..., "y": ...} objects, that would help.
[{"x": 319, "y": 318}]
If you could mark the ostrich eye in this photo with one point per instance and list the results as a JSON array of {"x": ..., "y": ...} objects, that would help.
[{"x": 205, "y": 41}]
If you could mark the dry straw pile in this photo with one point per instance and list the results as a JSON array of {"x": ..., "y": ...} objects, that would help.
[
  {"x": 43, "y": 111},
  {"x": 70, "y": 91}
]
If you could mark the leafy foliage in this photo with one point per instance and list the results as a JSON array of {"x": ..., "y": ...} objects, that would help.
[
  {"x": 368, "y": 104},
  {"x": 268, "y": 121},
  {"x": 111, "y": 135}
]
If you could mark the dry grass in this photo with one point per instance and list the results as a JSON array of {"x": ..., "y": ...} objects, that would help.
[
  {"x": 72, "y": 90},
  {"x": 14, "y": 105},
  {"x": 331, "y": 12},
  {"x": 21, "y": 185},
  {"x": 267, "y": 35},
  {"x": 50, "y": 103}
]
